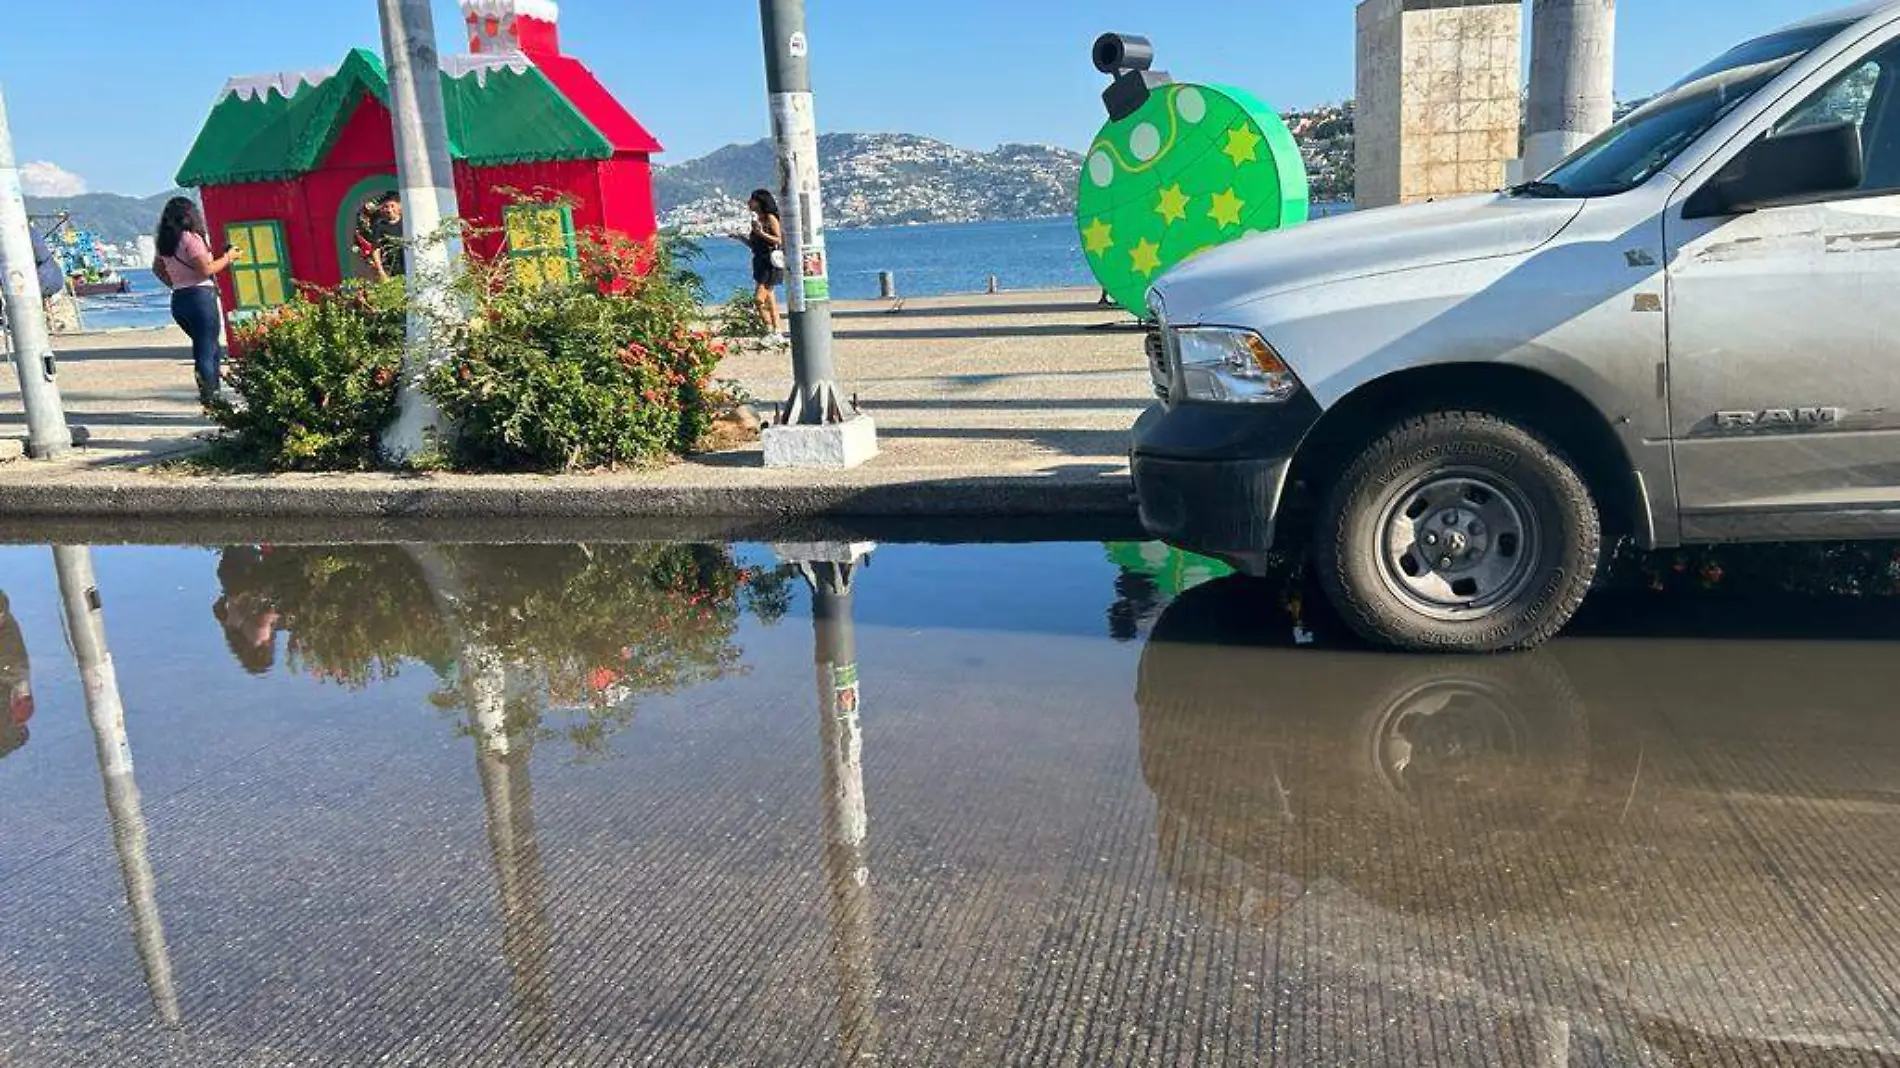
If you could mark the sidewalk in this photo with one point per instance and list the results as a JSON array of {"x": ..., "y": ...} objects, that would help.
[{"x": 987, "y": 406}]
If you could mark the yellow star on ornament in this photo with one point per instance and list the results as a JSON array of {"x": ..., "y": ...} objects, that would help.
[
  {"x": 1227, "y": 209},
  {"x": 1243, "y": 145},
  {"x": 1147, "y": 257},
  {"x": 1174, "y": 205},
  {"x": 1098, "y": 237}
]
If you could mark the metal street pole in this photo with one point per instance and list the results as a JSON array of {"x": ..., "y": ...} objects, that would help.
[
  {"x": 86, "y": 630},
  {"x": 807, "y": 284},
  {"x": 1573, "y": 78},
  {"x": 427, "y": 176},
  {"x": 831, "y": 571},
  {"x": 47, "y": 436}
]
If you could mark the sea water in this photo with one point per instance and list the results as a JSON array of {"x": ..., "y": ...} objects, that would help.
[{"x": 928, "y": 260}]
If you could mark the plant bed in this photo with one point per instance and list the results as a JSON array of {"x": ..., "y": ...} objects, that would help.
[{"x": 547, "y": 365}]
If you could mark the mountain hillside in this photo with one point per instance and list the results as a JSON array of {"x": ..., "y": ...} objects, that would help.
[
  {"x": 114, "y": 218},
  {"x": 894, "y": 179},
  {"x": 879, "y": 180},
  {"x": 870, "y": 180}
]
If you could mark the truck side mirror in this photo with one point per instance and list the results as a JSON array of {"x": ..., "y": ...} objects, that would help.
[{"x": 1785, "y": 168}]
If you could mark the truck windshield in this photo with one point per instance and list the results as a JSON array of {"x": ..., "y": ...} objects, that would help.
[{"x": 1649, "y": 138}]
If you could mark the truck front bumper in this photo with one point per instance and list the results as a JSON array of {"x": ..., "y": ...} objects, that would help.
[{"x": 1211, "y": 478}]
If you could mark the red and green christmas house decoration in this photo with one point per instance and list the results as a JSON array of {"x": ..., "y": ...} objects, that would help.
[{"x": 287, "y": 161}]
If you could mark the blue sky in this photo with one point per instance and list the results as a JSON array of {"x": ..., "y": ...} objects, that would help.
[{"x": 113, "y": 91}]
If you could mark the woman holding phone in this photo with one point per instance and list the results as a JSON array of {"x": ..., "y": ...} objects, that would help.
[
  {"x": 186, "y": 265},
  {"x": 767, "y": 241}
]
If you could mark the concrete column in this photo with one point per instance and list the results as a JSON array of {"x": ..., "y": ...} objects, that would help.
[
  {"x": 1572, "y": 81},
  {"x": 1439, "y": 111},
  {"x": 427, "y": 176},
  {"x": 47, "y": 437}
]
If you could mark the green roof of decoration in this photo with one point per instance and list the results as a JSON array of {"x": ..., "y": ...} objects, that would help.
[{"x": 496, "y": 116}]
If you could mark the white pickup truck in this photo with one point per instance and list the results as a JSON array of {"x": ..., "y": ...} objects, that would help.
[{"x": 1688, "y": 332}]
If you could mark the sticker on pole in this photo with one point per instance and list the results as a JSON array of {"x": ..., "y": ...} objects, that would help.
[
  {"x": 796, "y": 129},
  {"x": 797, "y": 46}
]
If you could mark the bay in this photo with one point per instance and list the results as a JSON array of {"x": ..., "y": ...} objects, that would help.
[{"x": 929, "y": 260}]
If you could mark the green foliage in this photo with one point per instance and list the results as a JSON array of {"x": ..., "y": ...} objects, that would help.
[
  {"x": 683, "y": 255},
  {"x": 740, "y": 316},
  {"x": 604, "y": 370},
  {"x": 317, "y": 378},
  {"x": 354, "y": 616}
]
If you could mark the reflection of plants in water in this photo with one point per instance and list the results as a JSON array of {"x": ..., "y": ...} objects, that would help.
[
  {"x": 580, "y": 630},
  {"x": 595, "y": 626},
  {"x": 353, "y": 616},
  {"x": 1833, "y": 569}
]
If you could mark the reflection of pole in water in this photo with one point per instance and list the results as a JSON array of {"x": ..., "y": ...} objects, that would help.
[
  {"x": 86, "y": 629},
  {"x": 831, "y": 571},
  {"x": 502, "y": 761}
]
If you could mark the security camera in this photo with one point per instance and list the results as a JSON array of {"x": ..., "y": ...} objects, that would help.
[
  {"x": 1127, "y": 57},
  {"x": 1119, "y": 52}
]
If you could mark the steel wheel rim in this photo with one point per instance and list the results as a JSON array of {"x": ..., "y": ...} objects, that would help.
[
  {"x": 1459, "y": 544},
  {"x": 1483, "y": 720}
]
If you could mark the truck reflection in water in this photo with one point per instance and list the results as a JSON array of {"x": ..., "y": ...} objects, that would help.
[{"x": 1654, "y": 851}]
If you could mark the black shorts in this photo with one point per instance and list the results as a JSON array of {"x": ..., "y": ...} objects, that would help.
[{"x": 763, "y": 273}]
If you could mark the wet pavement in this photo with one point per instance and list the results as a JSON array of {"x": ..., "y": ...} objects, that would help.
[{"x": 1074, "y": 803}]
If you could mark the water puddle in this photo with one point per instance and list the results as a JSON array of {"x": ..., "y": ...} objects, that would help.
[{"x": 1070, "y": 803}]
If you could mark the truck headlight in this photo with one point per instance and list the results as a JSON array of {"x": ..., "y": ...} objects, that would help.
[{"x": 1232, "y": 366}]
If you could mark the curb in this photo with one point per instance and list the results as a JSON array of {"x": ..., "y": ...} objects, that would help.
[{"x": 999, "y": 498}]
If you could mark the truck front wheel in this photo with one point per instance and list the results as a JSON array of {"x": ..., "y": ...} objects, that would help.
[{"x": 1458, "y": 531}]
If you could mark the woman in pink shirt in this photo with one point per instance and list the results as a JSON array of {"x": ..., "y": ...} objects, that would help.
[{"x": 186, "y": 265}]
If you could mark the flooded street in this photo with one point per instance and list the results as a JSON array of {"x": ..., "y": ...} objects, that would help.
[{"x": 1074, "y": 803}]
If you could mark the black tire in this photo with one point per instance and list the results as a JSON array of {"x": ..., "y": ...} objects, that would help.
[{"x": 1551, "y": 562}]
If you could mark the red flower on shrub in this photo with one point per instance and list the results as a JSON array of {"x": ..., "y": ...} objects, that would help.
[{"x": 384, "y": 377}]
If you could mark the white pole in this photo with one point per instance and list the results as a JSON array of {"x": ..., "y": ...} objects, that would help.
[
  {"x": 47, "y": 436},
  {"x": 86, "y": 629},
  {"x": 1573, "y": 75},
  {"x": 427, "y": 176}
]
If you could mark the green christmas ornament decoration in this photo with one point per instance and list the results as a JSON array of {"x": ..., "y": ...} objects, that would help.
[{"x": 1179, "y": 169}]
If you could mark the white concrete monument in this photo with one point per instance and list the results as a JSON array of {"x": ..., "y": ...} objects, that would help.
[{"x": 1439, "y": 111}]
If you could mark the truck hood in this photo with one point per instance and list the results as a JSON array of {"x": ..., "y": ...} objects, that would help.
[{"x": 1361, "y": 245}]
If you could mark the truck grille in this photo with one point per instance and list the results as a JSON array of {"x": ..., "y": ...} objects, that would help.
[{"x": 1158, "y": 369}]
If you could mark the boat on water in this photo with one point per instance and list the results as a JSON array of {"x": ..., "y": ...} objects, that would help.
[
  {"x": 109, "y": 284},
  {"x": 79, "y": 254}
]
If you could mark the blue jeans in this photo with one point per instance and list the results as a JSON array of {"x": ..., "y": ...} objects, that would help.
[{"x": 195, "y": 310}]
